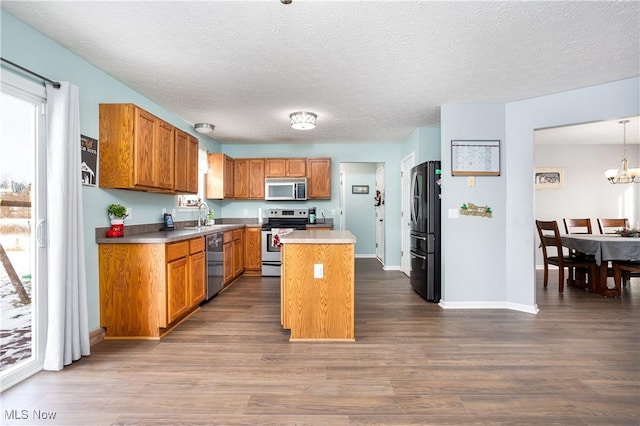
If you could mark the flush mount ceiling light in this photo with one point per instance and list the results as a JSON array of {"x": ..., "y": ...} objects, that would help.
[
  {"x": 204, "y": 128},
  {"x": 303, "y": 120},
  {"x": 624, "y": 174}
]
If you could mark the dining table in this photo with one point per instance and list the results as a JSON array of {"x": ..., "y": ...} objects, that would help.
[{"x": 604, "y": 248}]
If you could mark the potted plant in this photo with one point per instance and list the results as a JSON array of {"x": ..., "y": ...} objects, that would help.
[{"x": 117, "y": 213}]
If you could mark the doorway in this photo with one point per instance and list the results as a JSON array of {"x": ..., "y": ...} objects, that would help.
[
  {"x": 358, "y": 206},
  {"x": 22, "y": 232}
]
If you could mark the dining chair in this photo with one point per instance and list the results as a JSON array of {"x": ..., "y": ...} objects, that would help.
[
  {"x": 610, "y": 226},
  {"x": 577, "y": 226},
  {"x": 622, "y": 268},
  {"x": 550, "y": 239}
]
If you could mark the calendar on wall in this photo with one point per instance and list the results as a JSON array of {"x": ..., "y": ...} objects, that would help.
[{"x": 475, "y": 158}]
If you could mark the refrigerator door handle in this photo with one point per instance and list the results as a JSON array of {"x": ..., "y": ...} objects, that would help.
[
  {"x": 418, "y": 238},
  {"x": 418, "y": 256}
]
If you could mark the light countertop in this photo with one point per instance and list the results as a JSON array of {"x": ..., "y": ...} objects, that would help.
[{"x": 318, "y": 237}]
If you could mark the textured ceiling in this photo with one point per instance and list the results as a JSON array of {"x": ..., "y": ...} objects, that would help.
[{"x": 373, "y": 71}]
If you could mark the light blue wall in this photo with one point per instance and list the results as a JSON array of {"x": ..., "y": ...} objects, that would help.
[
  {"x": 29, "y": 48},
  {"x": 472, "y": 252},
  {"x": 492, "y": 261},
  {"x": 602, "y": 102},
  {"x": 360, "y": 213},
  {"x": 389, "y": 154},
  {"x": 424, "y": 142}
]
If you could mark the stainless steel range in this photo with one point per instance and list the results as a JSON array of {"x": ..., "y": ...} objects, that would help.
[{"x": 279, "y": 222}]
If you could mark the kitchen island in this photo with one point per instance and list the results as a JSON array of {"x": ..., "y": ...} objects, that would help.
[{"x": 317, "y": 285}]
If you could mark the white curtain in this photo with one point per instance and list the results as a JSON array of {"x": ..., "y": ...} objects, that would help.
[{"x": 67, "y": 319}]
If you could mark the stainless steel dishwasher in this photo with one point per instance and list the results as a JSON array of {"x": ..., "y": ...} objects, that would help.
[{"x": 214, "y": 264}]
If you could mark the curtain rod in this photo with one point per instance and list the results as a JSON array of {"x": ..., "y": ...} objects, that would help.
[{"x": 54, "y": 83}]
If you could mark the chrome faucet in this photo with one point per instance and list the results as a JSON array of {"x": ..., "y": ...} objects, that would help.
[{"x": 202, "y": 221}]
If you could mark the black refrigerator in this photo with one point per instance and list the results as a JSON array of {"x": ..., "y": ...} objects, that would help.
[{"x": 425, "y": 230}]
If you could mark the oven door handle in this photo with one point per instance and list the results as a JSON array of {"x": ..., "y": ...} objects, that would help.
[{"x": 271, "y": 263}]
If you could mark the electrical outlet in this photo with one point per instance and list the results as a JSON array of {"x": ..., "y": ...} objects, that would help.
[
  {"x": 321, "y": 212},
  {"x": 333, "y": 212},
  {"x": 318, "y": 270},
  {"x": 173, "y": 212},
  {"x": 245, "y": 212},
  {"x": 164, "y": 211},
  {"x": 129, "y": 213}
]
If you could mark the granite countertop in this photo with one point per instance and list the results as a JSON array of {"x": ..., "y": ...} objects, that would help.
[
  {"x": 150, "y": 234},
  {"x": 318, "y": 237},
  {"x": 168, "y": 236}
]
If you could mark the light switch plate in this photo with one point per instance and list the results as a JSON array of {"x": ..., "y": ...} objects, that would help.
[
  {"x": 318, "y": 270},
  {"x": 471, "y": 181},
  {"x": 453, "y": 213}
]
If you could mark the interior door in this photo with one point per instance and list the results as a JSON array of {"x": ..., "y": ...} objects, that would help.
[
  {"x": 22, "y": 234},
  {"x": 380, "y": 226}
]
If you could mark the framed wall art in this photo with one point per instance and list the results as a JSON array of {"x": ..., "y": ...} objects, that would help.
[
  {"x": 89, "y": 157},
  {"x": 475, "y": 158},
  {"x": 359, "y": 189},
  {"x": 549, "y": 177}
]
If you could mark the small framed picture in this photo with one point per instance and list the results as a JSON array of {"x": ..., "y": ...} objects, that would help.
[
  {"x": 549, "y": 177},
  {"x": 89, "y": 158},
  {"x": 359, "y": 189}
]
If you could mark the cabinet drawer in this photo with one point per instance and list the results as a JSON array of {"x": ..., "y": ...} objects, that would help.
[
  {"x": 177, "y": 250},
  {"x": 237, "y": 234},
  {"x": 196, "y": 245},
  {"x": 227, "y": 237}
]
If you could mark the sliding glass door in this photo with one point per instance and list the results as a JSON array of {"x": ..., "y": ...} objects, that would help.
[{"x": 22, "y": 228}]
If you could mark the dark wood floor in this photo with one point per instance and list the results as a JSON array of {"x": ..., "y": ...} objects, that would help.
[{"x": 575, "y": 363}]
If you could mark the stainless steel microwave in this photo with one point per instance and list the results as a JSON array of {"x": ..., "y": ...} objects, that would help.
[{"x": 285, "y": 189}]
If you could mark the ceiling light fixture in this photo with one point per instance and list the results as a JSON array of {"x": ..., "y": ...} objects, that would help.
[
  {"x": 204, "y": 128},
  {"x": 303, "y": 120},
  {"x": 624, "y": 174}
]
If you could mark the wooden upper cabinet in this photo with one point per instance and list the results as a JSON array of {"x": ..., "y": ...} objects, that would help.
[
  {"x": 285, "y": 167},
  {"x": 181, "y": 141},
  {"x": 319, "y": 178},
  {"x": 256, "y": 178},
  {"x": 164, "y": 151},
  {"x": 275, "y": 167},
  {"x": 193, "y": 148},
  {"x": 240, "y": 178},
  {"x": 186, "y": 163},
  {"x": 248, "y": 178},
  {"x": 296, "y": 167},
  {"x": 144, "y": 130},
  {"x": 219, "y": 176},
  {"x": 228, "y": 177},
  {"x": 136, "y": 149}
]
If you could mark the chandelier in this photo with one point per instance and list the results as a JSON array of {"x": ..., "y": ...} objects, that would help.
[
  {"x": 303, "y": 120},
  {"x": 624, "y": 174}
]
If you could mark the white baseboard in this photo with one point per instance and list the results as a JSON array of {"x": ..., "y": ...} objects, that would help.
[
  {"x": 490, "y": 305},
  {"x": 365, "y": 256},
  {"x": 391, "y": 267}
]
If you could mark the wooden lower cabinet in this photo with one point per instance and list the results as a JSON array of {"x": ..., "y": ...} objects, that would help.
[
  {"x": 232, "y": 255},
  {"x": 147, "y": 289},
  {"x": 253, "y": 251}
]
